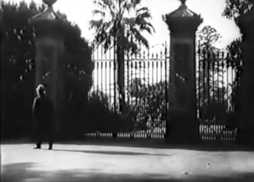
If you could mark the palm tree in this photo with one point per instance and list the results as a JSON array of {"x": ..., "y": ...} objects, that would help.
[{"x": 119, "y": 24}]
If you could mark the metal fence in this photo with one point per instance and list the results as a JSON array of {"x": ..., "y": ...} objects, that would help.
[
  {"x": 217, "y": 89},
  {"x": 146, "y": 79},
  {"x": 146, "y": 86}
]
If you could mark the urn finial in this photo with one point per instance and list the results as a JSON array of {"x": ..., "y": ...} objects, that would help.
[
  {"x": 183, "y": 1},
  {"x": 49, "y": 2}
]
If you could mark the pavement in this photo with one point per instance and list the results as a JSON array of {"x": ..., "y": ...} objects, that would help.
[{"x": 115, "y": 163}]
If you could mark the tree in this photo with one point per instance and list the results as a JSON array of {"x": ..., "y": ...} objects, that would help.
[
  {"x": 19, "y": 67},
  {"x": 234, "y": 10},
  {"x": 212, "y": 103},
  {"x": 77, "y": 67},
  {"x": 235, "y": 59},
  {"x": 207, "y": 37},
  {"x": 1, "y": 65},
  {"x": 150, "y": 104},
  {"x": 237, "y": 8},
  {"x": 119, "y": 24}
]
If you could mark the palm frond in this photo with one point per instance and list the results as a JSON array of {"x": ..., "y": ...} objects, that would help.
[
  {"x": 124, "y": 30},
  {"x": 129, "y": 45},
  {"x": 129, "y": 21},
  {"x": 143, "y": 13},
  {"x": 145, "y": 26},
  {"x": 106, "y": 5},
  {"x": 131, "y": 4},
  {"x": 99, "y": 12},
  {"x": 142, "y": 24},
  {"x": 139, "y": 37},
  {"x": 95, "y": 23},
  {"x": 100, "y": 4},
  {"x": 142, "y": 9}
]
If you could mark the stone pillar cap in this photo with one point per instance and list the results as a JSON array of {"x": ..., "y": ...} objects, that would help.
[
  {"x": 49, "y": 2},
  {"x": 48, "y": 14},
  {"x": 183, "y": 1},
  {"x": 183, "y": 11},
  {"x": 183, "y": 19}
]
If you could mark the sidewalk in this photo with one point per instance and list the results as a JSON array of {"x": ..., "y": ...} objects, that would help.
[{"x": 105, "y": 161}]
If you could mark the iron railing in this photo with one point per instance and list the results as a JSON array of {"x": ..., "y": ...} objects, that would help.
[
  {"x": 217, "y": 92},
  {"x": 146, "y": 79},
  {"x": 146, "y": 85}
]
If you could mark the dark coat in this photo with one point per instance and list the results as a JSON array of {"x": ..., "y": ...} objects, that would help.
[{"x": 43, "y": 113}]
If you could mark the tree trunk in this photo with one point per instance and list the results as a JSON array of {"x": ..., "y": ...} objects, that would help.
[{"x": 120, "y": 77}]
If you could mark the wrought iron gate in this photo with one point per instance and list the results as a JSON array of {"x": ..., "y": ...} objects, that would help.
[
  {"x": 146, "y": 90},
  {"x": 217, "y": 89}
]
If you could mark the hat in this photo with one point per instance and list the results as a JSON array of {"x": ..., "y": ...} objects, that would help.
[{"x": 40, "y": 89}]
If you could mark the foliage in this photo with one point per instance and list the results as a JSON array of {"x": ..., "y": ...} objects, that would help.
[
  {"x": 213, "y": 99},
  {"x": 119, "y": 24},
  {"x": 98, "y": 113},
  {"x": 207, "y": 37},
  {"x": 150, "y": 104},
  {"x": 146, "y": 110},
  {"x": 1, "y": 26},
  {"x": 211, "y": 96},
  {"x": 101, "y": 117},
  {"x": 19, "y": 67},
  {"x": 233, "y": 10},
  {"x": 236, "y": 8},
  {"x": 214, "y": 110},
  {"x": 235, "y": 59},
  {"x": 77, "y": 67},
  {"x": 208, "y": 56}
]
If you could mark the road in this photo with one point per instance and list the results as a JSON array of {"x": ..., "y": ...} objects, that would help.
[{"x": 93, "y": 162}]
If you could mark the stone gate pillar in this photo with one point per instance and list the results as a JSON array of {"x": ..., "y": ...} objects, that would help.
[
  {"x": 246, "y": 119},
  {"x": 49, "y": 46},
  {"x": 182, "y": 126}
]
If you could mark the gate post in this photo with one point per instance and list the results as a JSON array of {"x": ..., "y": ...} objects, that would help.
[
  {"x": 49, "y": 47},
  {"x": 182, "y": 125},
  {"x": 246, "y": 118}
]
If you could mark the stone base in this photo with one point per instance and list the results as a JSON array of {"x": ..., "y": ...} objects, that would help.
[
  {"x": 246, "y": 136},
  {"x": 182, "y": 128}
]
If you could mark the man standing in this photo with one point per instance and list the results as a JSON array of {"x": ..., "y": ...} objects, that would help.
[{"x": 43, "y": 112}]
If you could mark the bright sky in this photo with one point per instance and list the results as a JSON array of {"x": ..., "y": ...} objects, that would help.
[{"x": 80, "y": 12}]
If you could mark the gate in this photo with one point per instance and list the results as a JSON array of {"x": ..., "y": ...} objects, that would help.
[
  {"x": 146, "y": 91},
  {"x": 217, "y": 91},
  {"x": 146, "y": 86}
]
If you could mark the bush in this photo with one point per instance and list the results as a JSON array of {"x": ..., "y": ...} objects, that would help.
[
  {"x": 102, "y": 117},
  {"x": 18, "y": 63},
  {"x": 150, "y": 109}
]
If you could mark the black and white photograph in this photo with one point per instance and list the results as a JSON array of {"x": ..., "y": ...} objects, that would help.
[{"x": 127, "y": 90}]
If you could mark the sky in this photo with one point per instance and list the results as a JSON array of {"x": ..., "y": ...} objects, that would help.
[{"x": 80, "y": 13}]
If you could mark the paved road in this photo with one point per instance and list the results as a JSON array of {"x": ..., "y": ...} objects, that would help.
[{"x": 88, "y": 162}]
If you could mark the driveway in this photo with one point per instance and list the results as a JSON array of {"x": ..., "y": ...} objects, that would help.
[{"x": 93, "y": 162}]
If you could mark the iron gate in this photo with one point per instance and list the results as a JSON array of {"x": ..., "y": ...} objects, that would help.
[
  {"x": 217, "y": 89},
  {"x": 147, "y": 90},
  {"x": 146, "y": 79}
]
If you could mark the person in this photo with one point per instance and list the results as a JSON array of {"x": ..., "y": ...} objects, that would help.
[{"x": 43, "y": 112}]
